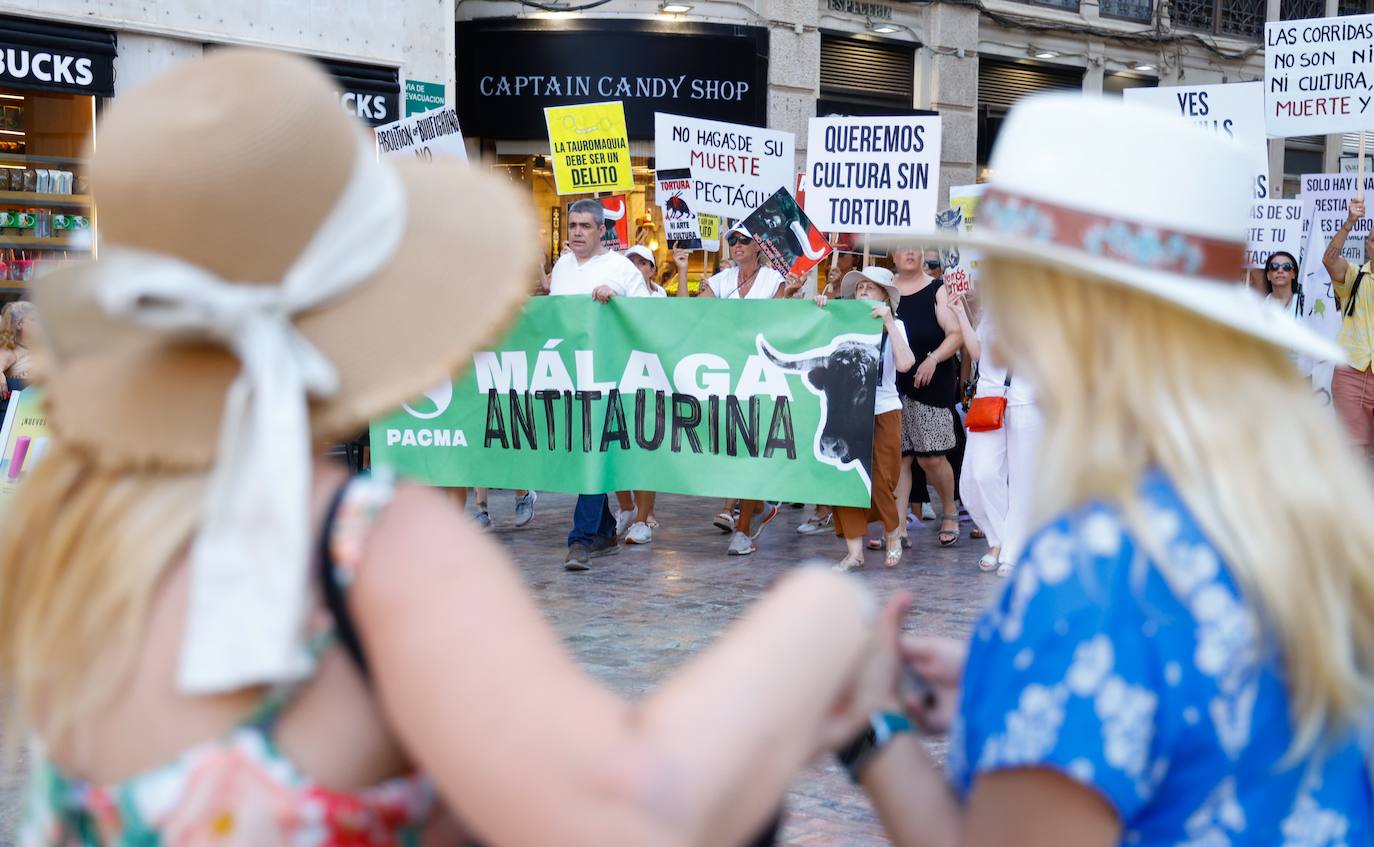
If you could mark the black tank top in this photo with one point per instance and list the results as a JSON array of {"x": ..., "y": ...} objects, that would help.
[{"x": 924, "y": 334}]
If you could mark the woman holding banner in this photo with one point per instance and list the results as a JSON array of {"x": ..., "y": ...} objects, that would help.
[
  {"x": 195, "y": 607},
  {"x": 851, "y": 523},
  {"x": 1186, "y": 652},
  {"x": 748, "y": 278}
]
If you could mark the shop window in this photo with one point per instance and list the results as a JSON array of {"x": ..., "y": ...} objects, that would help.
[
  {"x": 1295, "y": 10},
  {"x": 866, "y": 76},
  {"x": 1066, "y": 5},
  {"x": 1235, "y": 18},
  {"x": 1354, "y": 7},
  {"x": 45, "y": 211},
  {"x": 1142, "y": 11},
  {"x": 1002, "y": 82},
  {"x": 1114, "y": 84}
]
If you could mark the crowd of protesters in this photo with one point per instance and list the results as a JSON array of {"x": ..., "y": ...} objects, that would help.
[{"x": 216, "y": 635}]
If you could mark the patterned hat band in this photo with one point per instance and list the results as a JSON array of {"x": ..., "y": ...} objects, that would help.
[{"x": 1141, "y": 245}]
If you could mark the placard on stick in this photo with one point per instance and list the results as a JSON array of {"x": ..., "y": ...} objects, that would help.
[
  {"x": 1318, "y": 74},
  {"x": 790, "y": 242},
  {"x": 1232, "y": 110},
  {"x": 589, "y": 148},
  {"x": 429, "y": 135},
  {"x": 873, "y": 174},
  {"x": 735, "y": 168},
  {"x": 674, "y": 194},
  {"x": 1274, "y": 225}
]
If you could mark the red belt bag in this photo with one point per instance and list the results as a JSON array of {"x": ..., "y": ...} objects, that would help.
[{"x": 987, "y": 414}]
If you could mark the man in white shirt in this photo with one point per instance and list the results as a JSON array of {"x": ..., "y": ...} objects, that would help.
[{"x": 589, "y": 268}]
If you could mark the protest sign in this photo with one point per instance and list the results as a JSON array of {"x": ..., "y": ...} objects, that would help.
[
  {"x": 616, "y": 235},
  {"x": 791, "y": 244},
  {"x": 589, "y": 148},
  {"x": 873, "y": 174},
  {"x": 23, "y": 440},
  {"x": 430, "y": 135},
  {"x": 1274, "y": 225},
  {"x": 1325, "y": 204},
  {"x": 674, "y": 193},
  {"x": 757, "y": 399},
  {"x": 734, "y": 167},
  {"x": 960, "y": 263},
  {"x": 1319, "y": 75},
  {"x": 709, "y": 225},
  {"x": 1233, "y": 111}
]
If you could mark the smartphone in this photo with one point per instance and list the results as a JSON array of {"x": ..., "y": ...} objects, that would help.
[{"x": 915, "y": 687}]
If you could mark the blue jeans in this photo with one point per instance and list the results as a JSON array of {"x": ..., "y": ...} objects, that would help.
[{"x": 591, "y": 519}]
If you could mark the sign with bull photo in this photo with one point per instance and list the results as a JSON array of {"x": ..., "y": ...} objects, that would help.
[
  {"x": 791, "y": 244},
  {"x": 760, "y": 399},
  {"x": 674, "y": 193}
]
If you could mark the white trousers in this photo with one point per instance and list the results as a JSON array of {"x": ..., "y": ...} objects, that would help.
[{"x": 998, "y": 477}]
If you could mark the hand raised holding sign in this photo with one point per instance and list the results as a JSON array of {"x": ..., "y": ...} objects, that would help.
[{"x": 1356, "y": 212}]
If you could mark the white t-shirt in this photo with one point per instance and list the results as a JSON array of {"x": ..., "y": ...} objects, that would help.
[
  {"x": 992, "y": 376},
  {"x": 886, "y": 398},
  {"x": 609, "y": 269},
  {"x": 725, "y": 284}
]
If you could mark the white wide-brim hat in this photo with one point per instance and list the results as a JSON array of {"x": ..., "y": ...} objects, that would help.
[
  {"x": 879, "y": 276},
  {"x": 1126, "y": 195}
]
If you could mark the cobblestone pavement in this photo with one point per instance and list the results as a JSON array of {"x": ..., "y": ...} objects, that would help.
[{"x": 636, "y": 617}]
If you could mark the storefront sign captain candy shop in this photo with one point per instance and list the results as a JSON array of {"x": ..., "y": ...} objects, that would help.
[
  {"x": 1319, "y": 76},
  {"x": 589, "y": 148}
]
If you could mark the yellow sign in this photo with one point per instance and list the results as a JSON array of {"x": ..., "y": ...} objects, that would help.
[
  {"x": 590, "y": 149},
  {"x": 710, "y": 230}
]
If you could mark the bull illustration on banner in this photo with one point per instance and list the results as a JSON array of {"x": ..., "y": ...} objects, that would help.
[{"x": 844, "y": 375}]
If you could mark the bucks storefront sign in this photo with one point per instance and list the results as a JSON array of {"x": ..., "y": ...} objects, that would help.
[{"x": 763, "y": 400}]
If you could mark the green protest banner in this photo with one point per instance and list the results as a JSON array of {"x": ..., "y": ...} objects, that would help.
[{"x": 757, "y": 399}]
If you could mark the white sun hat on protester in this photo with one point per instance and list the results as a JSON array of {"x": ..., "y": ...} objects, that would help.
[{"x": 1125, "y": 196}]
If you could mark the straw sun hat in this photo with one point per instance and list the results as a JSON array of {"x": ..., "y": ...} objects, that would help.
[
  {"x": 264, "y": 283},
  {"x": 879, "y": 276},
  {"x": 1126, "y": 196},
  {"x": 200, "y": 165}
]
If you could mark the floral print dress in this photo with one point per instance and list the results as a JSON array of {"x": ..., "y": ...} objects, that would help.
[
  {"x": 1149, "y": 680},
  {"x": 239, "y": 790}
]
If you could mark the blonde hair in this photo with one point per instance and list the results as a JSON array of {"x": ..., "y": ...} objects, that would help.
[
  {"x": 1128, "y": 382},
  {"x": 10, "y": 317},
  {"x": 81, "y": 552}
]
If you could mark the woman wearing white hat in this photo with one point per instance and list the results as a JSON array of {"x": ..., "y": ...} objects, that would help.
[
  {"x": 221, "y": 639},
  {"x": 851, "y": 523},
  {"x": 635, "y": 520},
  {"x": 1185, "y": 653}
]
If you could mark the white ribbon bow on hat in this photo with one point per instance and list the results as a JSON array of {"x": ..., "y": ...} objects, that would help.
[{"x": 250, "y": 560}]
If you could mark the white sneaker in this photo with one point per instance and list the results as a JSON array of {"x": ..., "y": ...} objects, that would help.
[
  {"x": 640, "y": 533},
  {"x": 623, "y": 521},
  {"x": 927, "y": 512},
  {"x": 740, "y": 545},
  {"x": 815, "y": 526}
]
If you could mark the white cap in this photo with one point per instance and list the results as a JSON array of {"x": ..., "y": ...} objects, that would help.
[{"x": 642, "y": 252}]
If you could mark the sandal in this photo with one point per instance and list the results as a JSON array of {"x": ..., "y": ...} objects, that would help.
[
  {"x": 894, "y": 551},
  {"x": 949, "y": 536},
  {"x": 988, "y": 563},
  {"x": 847, "y": 564},
  {"x": 976, "y": 533},
  {"x": 874, "y": 544}
]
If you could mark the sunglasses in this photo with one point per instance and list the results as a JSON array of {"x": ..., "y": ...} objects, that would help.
[
  {"x": 1286, "y": 266},
  {"x": 933, "y": 264},
  {"x": 734, "y": 239}
]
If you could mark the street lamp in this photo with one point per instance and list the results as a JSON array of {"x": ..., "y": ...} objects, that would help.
[
  {"x": 883, "y": 28},
  {"x": 668, "y": 7}
]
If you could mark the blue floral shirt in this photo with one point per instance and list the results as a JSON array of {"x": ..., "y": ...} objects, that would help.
[{"x": 1150, "y": 682}]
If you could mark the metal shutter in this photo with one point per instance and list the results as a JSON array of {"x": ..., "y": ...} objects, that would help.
[
  {"x": 871, "y": 70},
  {"x": 1002, "y": 83}
]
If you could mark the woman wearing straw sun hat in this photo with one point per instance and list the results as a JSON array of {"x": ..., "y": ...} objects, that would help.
[
  {"x": 1185, "y": 652},
  {"x": 851, "y": 523},
  {"x": 195, "y": 611}
]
